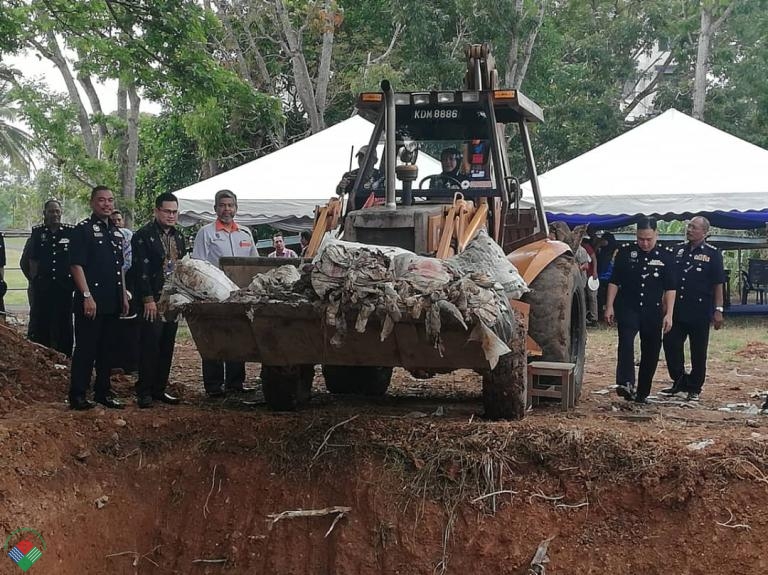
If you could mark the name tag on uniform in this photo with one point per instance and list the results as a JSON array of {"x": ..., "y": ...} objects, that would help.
[
  {"x": 655, "y": 263},
  {"x": 98, "y": 235},
  {"x": 245, "y": 244},
  {"x": 64, "y": 241},
  {"x": 701, "y": 257}
]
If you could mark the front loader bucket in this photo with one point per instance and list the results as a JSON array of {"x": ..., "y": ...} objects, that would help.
[{"x": 278, "y": 333}]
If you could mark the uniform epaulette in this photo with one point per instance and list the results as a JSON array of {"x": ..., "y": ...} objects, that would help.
[
  {"x": 625, "y": 245},
  {"x": 37, "y": 227},
  {"x": 83, "y": 222},
  {"x": 710, "y": 245},
  {"x": 70, "y": 226}
]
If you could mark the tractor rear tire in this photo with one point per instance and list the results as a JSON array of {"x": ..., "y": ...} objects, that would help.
[
  {"x": 286, "y": 387},
  {"x": 558, "y": 315},
  {"x": 362, "y": 379}
]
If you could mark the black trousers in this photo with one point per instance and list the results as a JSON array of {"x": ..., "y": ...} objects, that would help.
[
  {"x": 155, "y": 356},
  {"x": 50, "y": 317},
  {"x": 125, "y": 353},
  {"x": 214, "y": 376},
  {"x": 649, "y": 326},
  {"x": 697, "y": 332},
  {"x": 93, "y": 343}
]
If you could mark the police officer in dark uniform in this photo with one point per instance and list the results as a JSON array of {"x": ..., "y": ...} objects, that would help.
[
  {"x": 96, "y": 264},
  {"x": 156, "y": 248},
  {"x": 46, "y": 263},
  {"x": 643, "y": 287},
  {"x": 372, "y": 181},
  {"x": 699, "y": 303}
]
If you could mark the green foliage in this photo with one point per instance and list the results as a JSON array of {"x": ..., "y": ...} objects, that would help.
[{"x": 168, "y": 160}]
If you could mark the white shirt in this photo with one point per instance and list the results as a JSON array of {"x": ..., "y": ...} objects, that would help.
[{"x": 213, "y": 241}]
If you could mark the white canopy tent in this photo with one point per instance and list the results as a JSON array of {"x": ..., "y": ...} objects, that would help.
[
  {"x": 283, "y": 188},
  {"x": 669, "y": 166}
]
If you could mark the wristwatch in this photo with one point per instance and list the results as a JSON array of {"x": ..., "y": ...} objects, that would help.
[
  {"x": 86, "y": 294},
  {"x": 719, "y": 308}
]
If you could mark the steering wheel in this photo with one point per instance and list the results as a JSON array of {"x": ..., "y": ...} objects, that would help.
[{"x": 444, "y": 178}]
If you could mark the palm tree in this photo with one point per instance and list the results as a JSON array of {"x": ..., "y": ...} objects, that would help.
[{"x": 15, "y": 143}]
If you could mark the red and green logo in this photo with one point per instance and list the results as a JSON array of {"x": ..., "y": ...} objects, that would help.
[{"x": 24, "y": 547}]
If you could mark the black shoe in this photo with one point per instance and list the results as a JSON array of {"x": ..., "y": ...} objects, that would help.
[
  {"x": 109, "y": 402},
  {"x": 238, "y": 389},
  {"x": 643, "y": 400},
  {"x": 144, "y": 401},
  {"x": 167, "y": 398},
  {"x": 626, "y": 391},
  {"x": 214, "y": 393},
  {"x": 692, "y": 396},
  {"x": 80, "y": 404},
  {"x": 672, "y": 391},
  {"x": 765, "y": 406}
]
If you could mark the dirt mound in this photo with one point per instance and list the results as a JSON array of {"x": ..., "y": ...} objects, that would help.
[
  {"x": 754, "y": 350},
  {"x": 29, "y": 372}
]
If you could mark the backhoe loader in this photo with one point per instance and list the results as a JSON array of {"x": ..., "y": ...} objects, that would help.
[{"x": 434, "y": 215}]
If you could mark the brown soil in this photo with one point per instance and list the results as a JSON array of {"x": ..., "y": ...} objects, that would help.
[{"x": 616, "y": 486}]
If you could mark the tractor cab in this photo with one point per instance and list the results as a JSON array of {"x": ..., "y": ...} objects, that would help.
[{"x": 463, "y": 134}]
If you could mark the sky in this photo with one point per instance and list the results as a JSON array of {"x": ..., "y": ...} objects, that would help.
[{"x": 35, "y": 67}]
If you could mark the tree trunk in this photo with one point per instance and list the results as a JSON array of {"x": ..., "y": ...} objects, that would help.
[
  {"x": 707, "y": 30},
  {"x": 302, "y": 79},
  {"x": 132, "y": 151},
  {"x": 324, "y": 69},
  {"x": 702, "y": 56},
  {"x": 52, "y": 51},
  {"x": 518, "y": 59},
  {"x": 93, "y": 98}
]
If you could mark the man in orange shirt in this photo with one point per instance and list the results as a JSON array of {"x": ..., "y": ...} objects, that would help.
[{"x": 223, "y": 238}]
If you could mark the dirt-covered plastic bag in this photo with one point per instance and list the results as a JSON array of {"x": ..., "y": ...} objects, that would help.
[{"x": 198, "y": 280}]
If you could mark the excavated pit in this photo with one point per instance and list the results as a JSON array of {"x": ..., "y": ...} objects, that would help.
[{"x": 191, "y": 489}]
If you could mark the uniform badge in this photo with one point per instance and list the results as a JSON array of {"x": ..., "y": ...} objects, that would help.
[
  {"x": 701, "y": 257},
  {"x": 680, "y": 252},
  {"x": 633, "y": 254},
  {"x": 96, "y": 227},
  {"x": 64, "y": 241}
]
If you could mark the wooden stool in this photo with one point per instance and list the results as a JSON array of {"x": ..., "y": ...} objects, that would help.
[{"x": 564, "y": 388}]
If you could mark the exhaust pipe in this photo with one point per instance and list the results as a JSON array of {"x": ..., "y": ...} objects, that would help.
[{"x": 390, "y": 148}]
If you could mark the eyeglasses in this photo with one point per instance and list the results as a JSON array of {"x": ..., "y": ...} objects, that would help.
[{"x": 168, "y": 212}]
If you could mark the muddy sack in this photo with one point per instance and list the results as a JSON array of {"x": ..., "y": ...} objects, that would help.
[{"x": 198, "y": 280}]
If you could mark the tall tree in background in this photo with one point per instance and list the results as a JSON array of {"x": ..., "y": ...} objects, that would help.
[{"x": 713, "y": 14}]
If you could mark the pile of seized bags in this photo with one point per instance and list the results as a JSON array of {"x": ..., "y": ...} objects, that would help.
[{"x": 353, "y": 282}]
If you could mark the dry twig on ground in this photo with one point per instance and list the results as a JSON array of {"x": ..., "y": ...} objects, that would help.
[
  {"x": 328, "y": 436},
  {"x": 206, "y": 511},
  {"x": 733, "y": 525},
  {"x": 137, "y": 557},
  {"x": 338, "y": 510}
]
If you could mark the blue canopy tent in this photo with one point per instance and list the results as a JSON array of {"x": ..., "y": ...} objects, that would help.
[{"x": 672, "y": 167}]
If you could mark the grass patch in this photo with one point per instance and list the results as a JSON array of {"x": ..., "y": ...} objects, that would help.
[
  {"x": 17, "y": 283},
  {"x": 723, "y": 343}
]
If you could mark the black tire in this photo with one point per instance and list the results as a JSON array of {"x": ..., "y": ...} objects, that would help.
[
  {"x": 286, "y": 387},
  {"x": 558, "y": 321},
  {"x": 504, "y": 387},
  {"x": 365, "y": 380}
]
